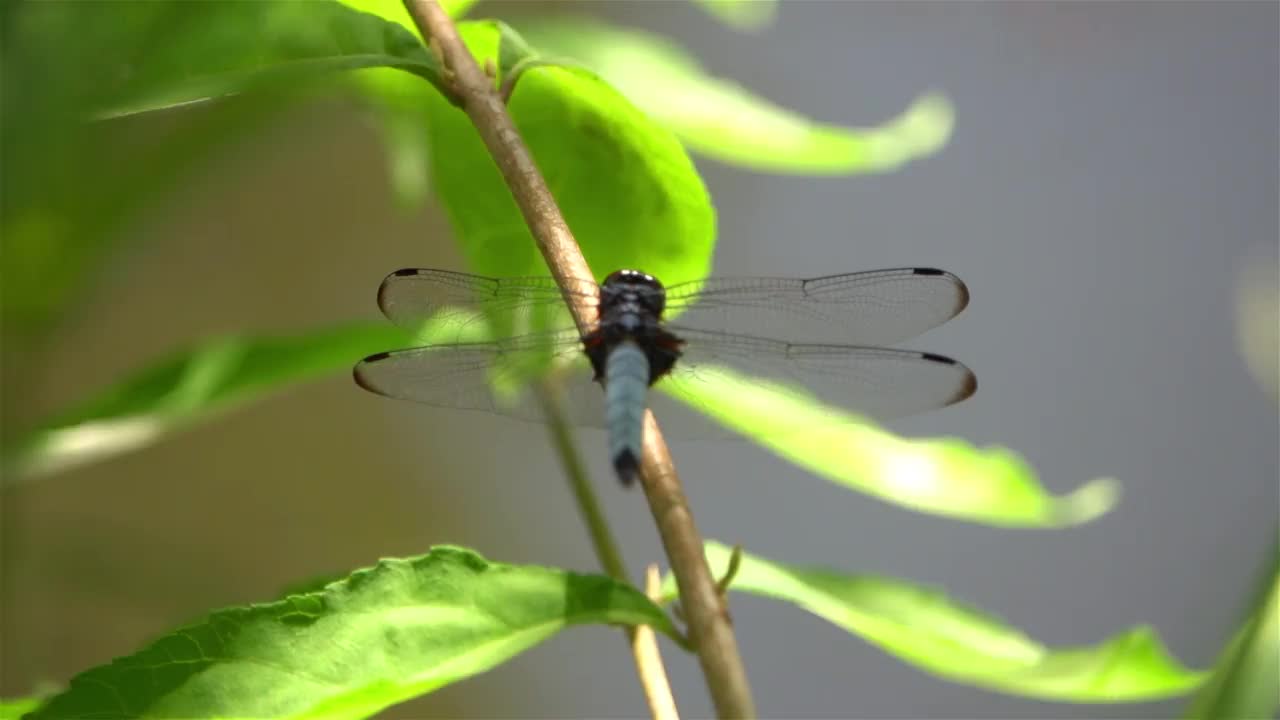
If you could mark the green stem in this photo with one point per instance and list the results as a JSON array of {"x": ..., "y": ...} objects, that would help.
[{"x": 588, "y": 504}]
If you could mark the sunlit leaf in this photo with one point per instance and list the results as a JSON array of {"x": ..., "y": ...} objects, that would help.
[
  {"x": 400, "y": 629},
  {"x": 190, "y": 386},
  {"x": 624, "y": 184},
  {"x": 942, "y": 476},
  {"x": 722, "y": 120},
  {"x": 1246, "y": 681},
  {"x": 746, "y": 15},
  {"x": 14, "y": 708},
  {"x": 628, "y": 190},
  {"x": 929, "y": 630}
]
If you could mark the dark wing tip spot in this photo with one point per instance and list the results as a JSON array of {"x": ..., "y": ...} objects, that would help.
[
  {"x": 358, "y": 372},
  {"x": 966, "y": 389},
  {"x": 384, "y": 289},
  {"x": 962, "y": 290},
  {"x": 968, "y": 384}
]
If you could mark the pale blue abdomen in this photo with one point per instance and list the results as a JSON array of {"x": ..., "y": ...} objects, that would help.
[{"x": 626, "y": 387}]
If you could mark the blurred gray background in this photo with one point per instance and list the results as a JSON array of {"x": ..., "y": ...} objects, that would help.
[{"x": 1113, "y": 171}]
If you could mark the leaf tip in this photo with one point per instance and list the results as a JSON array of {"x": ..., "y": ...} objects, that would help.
[
  {"x": 922, "y": 129},
  {"x": 1087, "y": 502}
]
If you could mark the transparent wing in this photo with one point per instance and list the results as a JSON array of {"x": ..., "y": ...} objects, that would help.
[
  {"x": 446, "y": 308},
  {"x": 491, "y": 376},
  {"x": 878, "y": 307},
  {"x": 495, "y": 376},
  {"x": 879, "y": 383},
  {"x": 452, "y": 307}
]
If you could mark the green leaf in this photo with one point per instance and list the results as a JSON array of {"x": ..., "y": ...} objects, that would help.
[
  {"x": 394, "y": 11},
  {"x": 925, "y": 628},
  {"x": 1246, "y": 681},
  {"x": 721, "y": 120},
  {"x": 628, "y": 190},
  {"x": 400, "y": 106},
  {"x": 943, "y": 476},
  {"x": 744, "y": 15},
  {"x": 624, "y": 184},
  {"x": 14, "y": 708},
  {"x": 71, "y": 186},
  {"x": 192, "y": 385},
  {"x": 384, "y": 635},
  {"x": 78, "y": 206},
  {"x": 267, "y": 42}
]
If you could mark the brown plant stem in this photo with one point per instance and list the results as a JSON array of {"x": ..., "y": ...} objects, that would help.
[
  {"x": 643, "y": 641},
  {"x": 709, "y": 628}
]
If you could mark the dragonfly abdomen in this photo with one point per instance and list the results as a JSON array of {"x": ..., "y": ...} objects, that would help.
[{"x": 626, "y": 386}]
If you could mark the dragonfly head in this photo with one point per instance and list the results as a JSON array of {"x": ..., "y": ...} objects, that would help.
[{"x": 633, "y": 286}]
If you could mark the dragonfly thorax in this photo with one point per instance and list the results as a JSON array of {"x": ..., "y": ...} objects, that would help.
[{"x": 631, "y": 306}]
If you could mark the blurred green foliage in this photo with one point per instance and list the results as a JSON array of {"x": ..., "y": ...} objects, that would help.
[
  {"x": 745, "y": 15},
  {"x": 192, "y": 385},
  {"x": 69, "y": 191},
  {"x": 610, "y": 118},
  {"x": 725, "y": 121}
]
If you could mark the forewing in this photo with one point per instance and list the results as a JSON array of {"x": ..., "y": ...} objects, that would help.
[
  {"x": 496, "y": 377},
  {"x": 879, "y": 307},
  {"x": 442, "y": 306}
]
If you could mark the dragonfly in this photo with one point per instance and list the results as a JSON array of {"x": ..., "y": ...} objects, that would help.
[{"x": 491, "y": 342}]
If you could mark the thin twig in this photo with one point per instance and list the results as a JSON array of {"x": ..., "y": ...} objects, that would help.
[
  {"x": 588, "y": 504},
  {"x": 701, "y": 602},
  {"x": 731, "y": 572},
  {"x": 488, "y": 113},
  {"x": 709, "y": 627},
  {"x": 643, "y": 641},
  {"x": 644, "y": 646}
]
